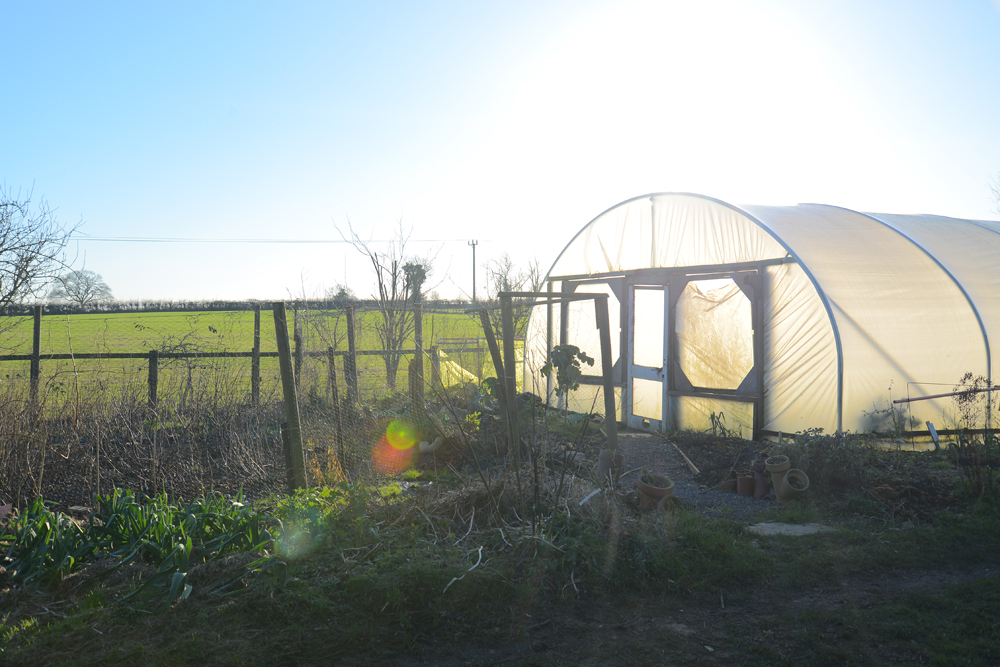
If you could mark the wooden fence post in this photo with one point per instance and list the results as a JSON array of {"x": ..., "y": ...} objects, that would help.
[
  {"x": 417, "y": 395},
  {"x": 411, "y": 382},
  {"x": 479, "y": 359},
  {"x": 291, "y": 436},
  {"x": 36, "y": 355},
  {"x": 255, "y": 358},
  {"x": 351, "y": 360},
  {"x": 331, "y": 374},
  {"x": 300, "y": 347},
  {"x": 510, "y": 371},
  {"x": 153, "y": 376},
  {"x": 507, "y": 378},
  {"x": 435, "y": 365},
  {"x": 491, "y": 341},
  {"x": 610, "y": 412}
]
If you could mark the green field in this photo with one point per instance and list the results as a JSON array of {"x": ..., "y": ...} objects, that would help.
[{"x": 207, "y": 332}]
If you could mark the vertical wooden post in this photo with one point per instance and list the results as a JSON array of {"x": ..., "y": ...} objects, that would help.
[
  {"x": 417, "y": 397},
  {"x": 411, "y": 382},
  {"x": 36, "y": 355},
  {"x": 567, "y": 288},
  {"x": 604, "y": 328},
  {"x": 286, "y": 449},
  {"x": 479, "y": 359},
  {"x": 435, "y": 365},
  {"x": 331, "y": 374},
  {"x": 510, "y": 370},
  {"x": 290, "y": 434},
  {"x": 757, "y": 312},
  {"x": 491, "y": 341},
  {"x": 255, "y": 358},
  {"x": 549, "y": 379},
  {"x": 509, "y": 382},
  {"x": 300, "y": 347},
  {"x": 154, "y": 357},
  {"x": 351, "y": 360}
]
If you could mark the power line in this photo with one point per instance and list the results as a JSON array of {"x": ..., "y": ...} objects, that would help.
[{"x": 150, "y": 239}]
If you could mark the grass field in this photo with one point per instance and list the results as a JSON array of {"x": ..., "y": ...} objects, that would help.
[{"x": 206, "y": 332}]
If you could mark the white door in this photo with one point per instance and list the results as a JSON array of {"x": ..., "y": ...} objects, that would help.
[{"x": 647, "y": 375}]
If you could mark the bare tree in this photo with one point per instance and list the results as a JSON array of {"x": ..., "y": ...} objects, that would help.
[
  {"x": 503, "y": 275},
  {"x": 399, "y": 279},
  {"x": 82, "y": 287},
  {"x": 31, "y": 246},
  {"x": 994, "y": 186}
]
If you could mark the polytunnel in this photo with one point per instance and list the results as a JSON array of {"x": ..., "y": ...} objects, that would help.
[{"x": 768, "y": 319}]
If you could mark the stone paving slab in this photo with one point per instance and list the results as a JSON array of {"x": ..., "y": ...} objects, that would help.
[{"x": 773, "y": 528}]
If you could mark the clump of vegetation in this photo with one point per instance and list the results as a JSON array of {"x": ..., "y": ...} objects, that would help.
[
  {"x": 978, "y": 452},
  {"x": 565, "y": 360},
  {"x": 847, "y": 462},
  {"x": 42, "y": 546}
]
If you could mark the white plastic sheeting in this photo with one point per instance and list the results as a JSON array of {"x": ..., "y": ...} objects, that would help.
[{"x": 855, "y": 308}]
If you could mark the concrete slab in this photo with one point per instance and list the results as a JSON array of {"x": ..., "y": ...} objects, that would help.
[{"x": 772, "y": 528}]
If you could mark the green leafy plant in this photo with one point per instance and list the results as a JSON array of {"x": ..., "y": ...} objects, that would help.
[
  {"x": 565, "y": 360},
  {"x": 42, "y": 545}
]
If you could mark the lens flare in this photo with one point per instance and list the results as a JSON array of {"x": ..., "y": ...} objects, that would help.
[
  {"x": 401, "y": 435},
  {"x": 390, "y": 460}
]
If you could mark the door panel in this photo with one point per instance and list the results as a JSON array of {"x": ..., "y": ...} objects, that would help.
[{"x": 647, "y": 351}]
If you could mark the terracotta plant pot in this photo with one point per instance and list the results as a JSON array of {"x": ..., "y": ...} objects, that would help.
[
  {"x": 656, "y": 494},
  {"x": 728, "y": 484},
  {"x": 760, "y": 487},
  {"x": 777, "y": 464},
  {"x": 780, "y": 468},
  {"x": 793, "y": 483},
  {"x": 744, "y": 483}
]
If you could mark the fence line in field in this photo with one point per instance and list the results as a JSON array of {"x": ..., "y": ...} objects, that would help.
[{"x": 350, "y": 357}]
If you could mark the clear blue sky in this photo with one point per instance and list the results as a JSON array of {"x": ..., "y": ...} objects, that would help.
[{"x": 511, "y": 122}]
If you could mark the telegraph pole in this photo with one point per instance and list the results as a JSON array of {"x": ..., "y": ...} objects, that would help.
[{"x": 473, "y": 243}]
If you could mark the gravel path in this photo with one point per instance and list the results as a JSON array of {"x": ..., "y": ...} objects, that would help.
[{"x": 657, "y": 455}]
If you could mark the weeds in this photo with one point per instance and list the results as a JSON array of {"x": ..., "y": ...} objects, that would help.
[
  {"x": 845, "y": 462},
  {"x": 978, "y": 457}
]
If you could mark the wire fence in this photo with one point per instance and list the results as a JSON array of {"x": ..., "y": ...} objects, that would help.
[
  {"x": 185, "y": 357},
  {"x": 191, "y": 402}
]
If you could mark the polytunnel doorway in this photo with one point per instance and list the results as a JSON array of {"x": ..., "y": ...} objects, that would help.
[{"x": 692, "y": 351}]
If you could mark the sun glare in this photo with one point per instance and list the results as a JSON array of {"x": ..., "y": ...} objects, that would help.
[{"x": 395, "y": 451}]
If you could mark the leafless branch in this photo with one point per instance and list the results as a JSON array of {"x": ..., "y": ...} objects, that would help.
[{"x": 31, "y": 246}]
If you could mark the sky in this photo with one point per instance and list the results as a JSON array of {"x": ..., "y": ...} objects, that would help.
[{"x": 510, "y": 123}]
